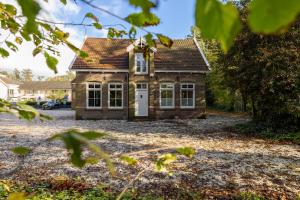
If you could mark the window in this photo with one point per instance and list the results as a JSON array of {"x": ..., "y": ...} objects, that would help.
[
  {"x": 10, "y": 92},
  {"x": 115, "y": 95},
  {"x": 141, "y": 65},
  {"x": 142, "y": 86},
  {"x": 93, "y": 95},
  {"x": 167, "y": 95},
  {"x": 187, "y": 95}
]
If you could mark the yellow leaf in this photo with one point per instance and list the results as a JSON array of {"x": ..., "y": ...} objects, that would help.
[{"x": 16, "y": 196}]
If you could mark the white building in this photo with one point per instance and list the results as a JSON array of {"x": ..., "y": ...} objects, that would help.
[
  {"x": 43, "y": 90},
  {"x": 9, "y": 88}
]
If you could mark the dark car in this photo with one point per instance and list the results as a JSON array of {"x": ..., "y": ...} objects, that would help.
[{"x": 49, "y": 105}]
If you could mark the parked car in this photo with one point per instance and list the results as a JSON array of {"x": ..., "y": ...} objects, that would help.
[{"x": 49, "y": 105}]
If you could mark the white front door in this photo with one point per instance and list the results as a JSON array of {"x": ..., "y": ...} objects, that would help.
[{"x": 141, "y": 100}]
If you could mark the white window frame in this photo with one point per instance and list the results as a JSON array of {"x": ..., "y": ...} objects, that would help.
[
  {"x": 173, "y": 95},
  {"x": 135, "y": 64},
  {"x": 87, "y": 95},
  {"x": 187, "y": 89},
  {"x": 115, "y": 89}
]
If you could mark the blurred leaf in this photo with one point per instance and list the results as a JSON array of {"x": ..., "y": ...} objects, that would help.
[
  {"x": 3, "y": 53},
  {"x": 16, "y": 196},
  {"x": 37, "y": 50},
  {"x": 28, "y": 115},
  {"x": 144, "y": 4},
  {"x": 141, "y": 19},
  {"x": 19, "y": 40},
  {"x": 30, "y": 9},
  {"x": 132, "y": 32},
  {"x": 11, "y": 45},
  {"x": 92, "y": 160},
  {"x": 51, "y": 62},
  {"x": 218, "y": 21},
  {"x": 129, "y": 160},
  {"x": 97, "y": 25},
  {"x": 150, "y": 41},
  {"x": 22, "y": 151},
  {"x": 92, "y": 16},
  {"x": 271, "y": 16},
  {"x": 163, "y": 161},
  {"x": 64, "y": 2},
  {"x": 10, "y": 9},
  {"x": 83, "y": 54},
  {"x": 75, "y": 141},
  {"x": 186, "y": 151},
  {"x": 166, "y": 41}
]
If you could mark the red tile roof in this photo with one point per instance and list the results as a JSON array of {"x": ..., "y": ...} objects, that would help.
[{"x": 112, "y": 54}]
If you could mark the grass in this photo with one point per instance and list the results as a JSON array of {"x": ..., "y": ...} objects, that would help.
[{"x": 257, "y": 130}]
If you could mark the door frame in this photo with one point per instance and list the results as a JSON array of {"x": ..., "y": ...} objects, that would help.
[{"x": 141, "y": 89}]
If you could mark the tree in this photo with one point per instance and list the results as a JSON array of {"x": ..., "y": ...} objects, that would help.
[
  {"x": 69, "y": 76},
  {"x": 16, "y": 74},
  {"x": 27, "y": 74},
  {"x": 265, "y": 70}
]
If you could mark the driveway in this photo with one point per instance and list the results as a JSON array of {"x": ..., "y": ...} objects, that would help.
[{"x": 225, "y": 163}]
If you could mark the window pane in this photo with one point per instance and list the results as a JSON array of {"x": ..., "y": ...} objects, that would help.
[
  {"x": 169, "y": 94},
  {"x": 112, "y": 94},
  {"x": 163, "y": 102},
  {"x": 190, "y": 102},
  {"x": 97, "y": 94},
  {"x": 119, "y": 86},
  {"x": 119, "y": 94},
  {"x": 190, "y": 94},
  {"x": 112, "y": 103},
  {"x": 169, "y": 102},
  {"x": 91, "y": 94},
  {"x": 97, "y": 103},
  {"x": 91, "y": 103},
  {"x": 97, "y": 85},
  {"x": 118, "y": 102},
  {"x": 91, "y": 85}
]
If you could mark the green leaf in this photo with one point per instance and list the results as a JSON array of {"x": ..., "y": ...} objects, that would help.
[
  {"x": 10, "y": 9},
  {"x": 271, "y": 16},
  {"x": 92, "y": 16},
  {"x": 51, "y": 62},
  {"x": 97, "y": 25},
  {"x": 75, "y": 141},
  {"x": 142, "y": 20},
  {"x": 83, "y": 54},
  {"x": 132, "y": 32},
  {"x": 37, "y": 50},
  {"x": 146, "y": 5},
  {"x": 3, "y": 53},
  {"x": 25, "y": 114},
  {"x": 163, "y": 161},
  {"x": 64, "y": 2},
  {"x": 11, "y": 45},
  {"x": 166, "y": 41},
  {"x": 30, "y": 9},
  {"x": 186, "y": 151},
  {"x": 129, "y": 160},
  {"x": 21, "y": 151},
  {"x": 218, "y": 21},
  {"x": 150, "y": 41}
]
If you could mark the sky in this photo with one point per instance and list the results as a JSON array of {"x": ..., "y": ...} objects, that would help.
[{"x": 176, "y": 21}]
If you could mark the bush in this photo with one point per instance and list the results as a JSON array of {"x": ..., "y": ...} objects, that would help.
[{"x": 262, "y": 130}]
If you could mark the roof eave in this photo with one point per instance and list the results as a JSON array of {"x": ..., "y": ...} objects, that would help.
[{"x": 202, "y": 53}]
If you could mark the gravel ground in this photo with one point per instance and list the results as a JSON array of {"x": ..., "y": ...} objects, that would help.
[{"x": 225, "y": 163}]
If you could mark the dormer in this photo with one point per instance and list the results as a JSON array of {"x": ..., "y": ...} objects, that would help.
[{"x": 139, "y": 64}]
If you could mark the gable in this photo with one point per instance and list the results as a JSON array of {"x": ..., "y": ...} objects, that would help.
[{"x": 111, "y": 54}]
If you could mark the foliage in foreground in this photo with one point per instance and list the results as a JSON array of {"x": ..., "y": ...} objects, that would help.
[
  {"x": 78, "y": 191},
  {"x": 260, "y": 130}
]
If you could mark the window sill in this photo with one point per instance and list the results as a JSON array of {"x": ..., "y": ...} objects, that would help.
[
  {"x": 93, "y": 108},
  {"x": 112, "y": 108},
  {"x": 187, "y": 108}
]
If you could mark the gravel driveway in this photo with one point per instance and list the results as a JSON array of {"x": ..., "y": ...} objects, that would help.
[{"x": 225, "y": 163}]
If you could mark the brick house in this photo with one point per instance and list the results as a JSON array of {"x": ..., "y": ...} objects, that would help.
[{"x": 116, "y": 82}]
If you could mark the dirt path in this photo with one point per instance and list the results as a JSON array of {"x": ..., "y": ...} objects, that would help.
[{"x": 224, "y": 164}]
